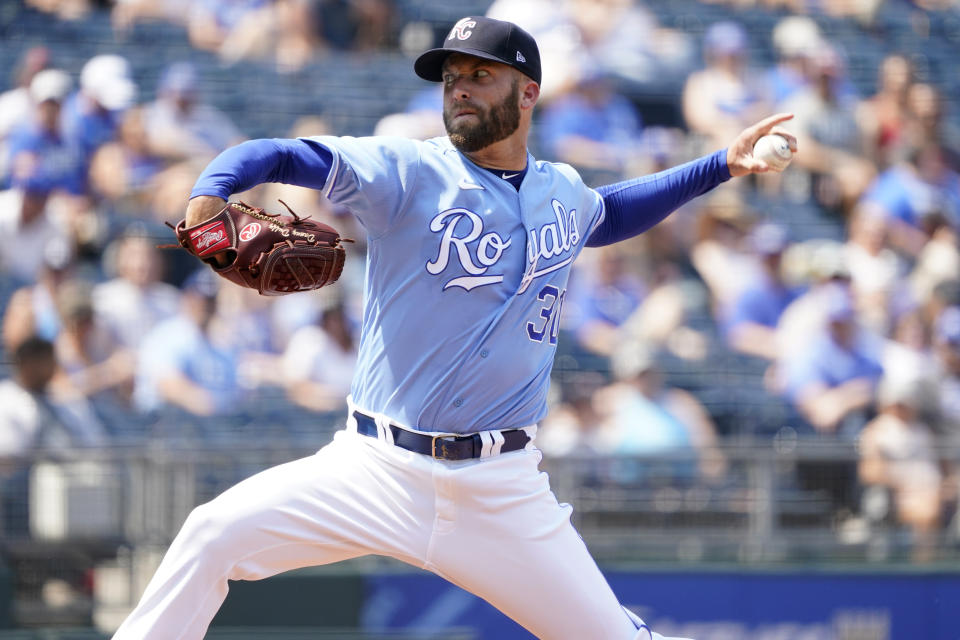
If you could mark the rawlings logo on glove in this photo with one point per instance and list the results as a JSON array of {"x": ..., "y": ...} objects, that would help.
[{"x": 272, "y": 253}]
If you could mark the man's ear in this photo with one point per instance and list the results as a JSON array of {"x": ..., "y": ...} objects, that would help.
[{"x": 530, "y": 95}]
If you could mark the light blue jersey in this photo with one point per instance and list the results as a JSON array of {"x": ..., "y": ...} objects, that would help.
[{"x": 465, "y": 280}]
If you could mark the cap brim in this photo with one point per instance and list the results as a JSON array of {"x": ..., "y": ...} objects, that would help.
[{"x": 429, "y": 65}]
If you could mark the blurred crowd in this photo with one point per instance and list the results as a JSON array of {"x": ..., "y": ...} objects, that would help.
[{"x": 825, "y": 298}]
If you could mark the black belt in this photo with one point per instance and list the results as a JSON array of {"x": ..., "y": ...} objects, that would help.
[{"x": 441, "y": 447}]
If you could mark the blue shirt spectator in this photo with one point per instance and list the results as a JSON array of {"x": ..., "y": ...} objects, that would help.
[
  {"x": 592, "y": 127},
  {"x": 751, "y": 319},
  {"x": 92, "y": 115},
  {"x": 908, "y": 192},
  {"x": 602, "y": 299},
  {"x": 832, "y": 380},
  {"x": 38, "y": 153},
  {"x": 54, "y": 161},
  {"x": 179, "y": 364}
]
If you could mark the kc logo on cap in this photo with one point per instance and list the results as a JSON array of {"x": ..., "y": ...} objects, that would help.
[
  {"x": 460, "y": 30},
  {"x": 485, "y": 38}
]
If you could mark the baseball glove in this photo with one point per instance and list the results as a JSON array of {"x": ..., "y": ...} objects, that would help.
[{"x": 272, "y": 253}]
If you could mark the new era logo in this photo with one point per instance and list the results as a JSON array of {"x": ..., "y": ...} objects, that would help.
[{"x": 520, "y": 57}]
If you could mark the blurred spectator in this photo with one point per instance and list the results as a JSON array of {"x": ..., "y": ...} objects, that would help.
[
  {"x": 357, "y": 25},
  {"x": 32, "y": 415},
  {"x": 927, "y": 124},
  {"x": 937, "y": 263},
  {"x": 625, "y": 38},
  {"x": 63, "y": 9},
  {"x": 283, "y": 31},
  {"x": 819, "y": 266},
  {"x": 947, "y": 345},
  {"x": 641, "y": 416},
  {"x": 92, "y": 115},
  {"x": 552, "y": 26},
  {"x": 33, "y": 223},
  {"x": 725, "y": 96},
  {"x": 570, "y": 428},
  {"x": 883, "y": 116},
  {"x": 898, "y": 452},
  {"x": 876, "y": 270},
  {"x": 833, "y": 145},
  {"x": 795, "y": 39},
  {"x": 909, "y": 360},
  {"x": 135, "y": 299},
  {"x": 126, "y": 13},
  {"x": 95, "y": 365},
  {"x": 320, "y": 359},
  {"x": 38, "y": 149},
  {"x": 720, "y": 253},
  {"x": 421, "y": 119},
  {"x": 123, "y": 172},
  {"x": 16, "y": 105},
  {"x": 179, "y": 125},
  {"x": 32, "y": 308},
  {"x": 752, "y": 319},
  {"x": 211, "y": 23},
  {"x": 619, "y": 37},
  {"x": 913, "y": 191},
  {"x": 181, "y": 363},
  {"x": 832, "y": 380},
  {"x": 249, "y": 334},
  {"x": 601, "y": 297},
  {"x": 592, "y": 127}
]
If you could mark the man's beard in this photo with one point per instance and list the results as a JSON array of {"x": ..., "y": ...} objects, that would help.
[{"x": 495, "y": 124}]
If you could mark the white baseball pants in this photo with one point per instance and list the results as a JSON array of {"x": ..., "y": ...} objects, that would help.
[{"x": 490, "y": 525}]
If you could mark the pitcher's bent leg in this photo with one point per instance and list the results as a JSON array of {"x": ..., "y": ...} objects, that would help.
[{"x": 308, "y": 512}]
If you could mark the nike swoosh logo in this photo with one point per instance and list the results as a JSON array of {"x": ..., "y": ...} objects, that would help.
[
  {"x": 465, "y": 184},
  {"x": 507, "y": 176}
]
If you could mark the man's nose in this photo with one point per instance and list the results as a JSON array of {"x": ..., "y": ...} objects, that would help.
[{"x": 458, "y": 89}]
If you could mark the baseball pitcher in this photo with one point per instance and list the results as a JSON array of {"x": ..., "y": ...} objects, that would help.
[{"x": 470, "y": 245}]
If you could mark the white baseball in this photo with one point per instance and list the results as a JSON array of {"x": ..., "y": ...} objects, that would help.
[{"x": 774, "y": 150}]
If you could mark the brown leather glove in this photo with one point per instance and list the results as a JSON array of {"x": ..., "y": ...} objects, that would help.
[{"x": 272, "y": 253}]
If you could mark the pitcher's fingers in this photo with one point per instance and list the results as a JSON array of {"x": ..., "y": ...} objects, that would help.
[
  {"x": 791, "y": 139},
  {"x": 764, "y": 126}
]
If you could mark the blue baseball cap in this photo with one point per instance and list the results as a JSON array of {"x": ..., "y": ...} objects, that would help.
[
  {"x": 485, "y": 38},
  {"x": 769, "y": 239},
  {"x": 725, "y": 38}
]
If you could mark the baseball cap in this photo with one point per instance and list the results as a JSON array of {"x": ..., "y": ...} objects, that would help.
[
  {"x": 631, "y": 359},
  {"x": 769, "y": 239},
  {"x": 202, "y": 283},
  {"x": 486, "y": 38},
  {"x": 50, "y": 84},
  {"x": 838, "y": 304},
  {"x": 106, "y": 79},
  {"x": 180, "y": 79},
  {"x": 725, "y": 38}
]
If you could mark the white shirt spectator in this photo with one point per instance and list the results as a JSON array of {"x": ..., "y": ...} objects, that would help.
[
  {"x": 131, "y": 311},
  {"x": 23, "y": 248},
  {"x": 312, "y": 355}
]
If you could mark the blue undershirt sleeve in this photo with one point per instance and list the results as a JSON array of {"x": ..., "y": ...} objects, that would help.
[
  {"x": 633, "y": 206},
  {"x": 299, "y": 161}
]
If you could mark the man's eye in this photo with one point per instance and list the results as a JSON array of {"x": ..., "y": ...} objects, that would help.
[{"x": 481, "y": 73}]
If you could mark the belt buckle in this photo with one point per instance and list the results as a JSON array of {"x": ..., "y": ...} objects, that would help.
[
  {"x": 443, "y": 437},
  {"x": 433, "y": 446}
]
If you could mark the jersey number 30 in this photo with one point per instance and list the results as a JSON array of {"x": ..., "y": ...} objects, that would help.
[{"x": 549, "y": 319}]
